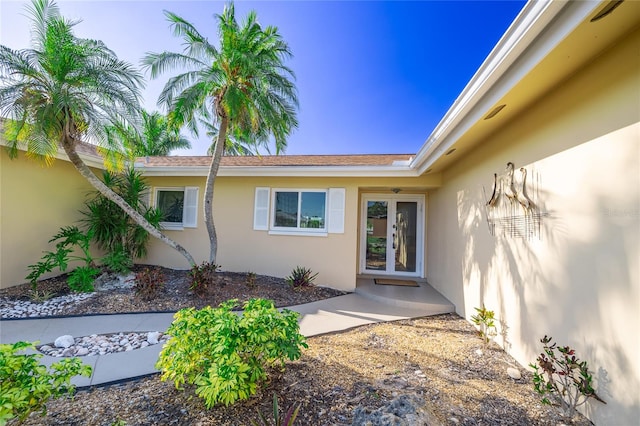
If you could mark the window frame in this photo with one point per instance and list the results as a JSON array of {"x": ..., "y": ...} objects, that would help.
[
  {"x": 178, "y": 226},
  {"x": 288, "y": 230}
]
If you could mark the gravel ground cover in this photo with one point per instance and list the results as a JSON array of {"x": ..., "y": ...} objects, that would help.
[{"x": 425, "y": 371}]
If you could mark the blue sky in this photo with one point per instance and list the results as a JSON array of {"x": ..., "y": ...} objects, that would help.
[{"x": 372, "y": 76}]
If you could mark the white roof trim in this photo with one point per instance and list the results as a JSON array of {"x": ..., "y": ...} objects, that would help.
[
  {"x": 538, "y": 29},
  {"x": 300, "y": 171}
]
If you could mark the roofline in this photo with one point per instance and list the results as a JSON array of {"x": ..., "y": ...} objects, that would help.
[
  {"x": 278, "y": 171},
  {"x": 89, "y": 160},
  {"x": 533, "y": 35}
]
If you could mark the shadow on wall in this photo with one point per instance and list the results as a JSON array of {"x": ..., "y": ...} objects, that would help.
[{"x": 573, "y": 281}]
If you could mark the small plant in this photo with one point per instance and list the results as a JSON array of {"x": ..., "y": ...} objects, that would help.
[
  {"x": 562, "y": 379},
  {"x": 149, "y": 282},
  {"x": 203, "y": 276},
  {"x": 301, "y": 277},
  {"x": 485, "y": 320},
  {"x": 69, "y": 238},
  {"x": 288, "y": 418},
  {"x": 226, "y": 355},
  {"x": 26, "y": 385},
  {"x": 40, "y": 296},
  {"x": 251, "y": 279},
  {"x": 118, "y": 261}
]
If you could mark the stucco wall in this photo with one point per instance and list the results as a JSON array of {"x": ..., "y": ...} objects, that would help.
[
  {"x": 242, "y": 249},
  {"x": 579, "y": 281},
  {"x": 35, "y": 202}
]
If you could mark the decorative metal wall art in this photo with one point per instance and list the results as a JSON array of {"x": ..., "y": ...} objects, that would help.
[{"x": 512, "y": 209}]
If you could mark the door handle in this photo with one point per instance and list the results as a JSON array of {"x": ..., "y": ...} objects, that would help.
[{"x": 394, "y": 241}]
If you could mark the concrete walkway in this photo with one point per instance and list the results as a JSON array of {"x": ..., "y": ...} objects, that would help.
[{"x": 325, "y": 316}]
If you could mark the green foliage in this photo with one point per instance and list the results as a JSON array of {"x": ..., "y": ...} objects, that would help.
[
  {"x": 226, "y": 355},
  {"x": 115, "y": 231},
  {"x": 202, "y": 277},
  {"x": 68, "y": 239},
  {"x": 287, "y": 419},
  {"x": 149, "y": 282},
  {"x": 26, "y": 385},
  {"x": 561, "y": 378},
  {"x": 301, "y": 277},
  {"x": 485, "y": 320},
  {"x": 81, "y": 279},
  {"x": 118, "y": 261}
]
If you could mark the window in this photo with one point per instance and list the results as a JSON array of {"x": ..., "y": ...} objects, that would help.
[
  {"x": 299, "y": 211},
  {"x": 179, "y": 206}
]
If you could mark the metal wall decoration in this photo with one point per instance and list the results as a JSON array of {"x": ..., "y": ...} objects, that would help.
[{"x": 512, "y": 209}]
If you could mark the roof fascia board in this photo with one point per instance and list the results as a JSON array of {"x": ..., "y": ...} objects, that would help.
[
  {"x": 277, "y": 171},
  {"x": 535, "y": 32},
  {"x": 89, "y": 160}
]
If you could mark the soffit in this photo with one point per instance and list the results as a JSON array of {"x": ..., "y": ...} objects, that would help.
[{"x": 585, "y": 43}]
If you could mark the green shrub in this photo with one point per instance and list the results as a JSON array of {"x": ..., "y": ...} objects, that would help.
[
  {"x": 226, "y": 355},
  {"x": 288, "y": 418},
  {"x": 562, "y": 379},
  {"x": 301, "y": 277},
  {"x": 26, "y": 385},
  {"x": 68, "y": 238},
  {"x": 485, "y": 321},
  {"x": 112, "y": 229},
  {"x": 202, "y": 277},
  {"x": 149, "y": 282},
  {"x": 118, "y": 261}
]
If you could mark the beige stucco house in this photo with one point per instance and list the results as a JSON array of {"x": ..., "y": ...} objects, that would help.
[{"x": 525, "y": 198}]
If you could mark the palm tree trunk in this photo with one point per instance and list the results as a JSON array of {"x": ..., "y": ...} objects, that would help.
[
  {"x": 208, "y": 189},
  {"x": 69, "y": 148}
]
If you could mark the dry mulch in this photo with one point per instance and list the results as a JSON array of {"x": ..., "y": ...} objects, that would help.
[{"x": 438, "y": 362}]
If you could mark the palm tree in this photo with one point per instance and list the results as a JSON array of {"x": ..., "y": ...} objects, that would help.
[
  {"x": 65, "y": 90},
  {"x": 157, "y": 138},
  {"x": 243, "y": 81},
  {"x": 232, "y": 146}
]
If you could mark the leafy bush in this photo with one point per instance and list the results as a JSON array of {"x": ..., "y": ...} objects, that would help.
[
  {"x": 301, "y": 277},
  {"x": 485, "y": 320},
  {"x": 118, "y": 261},
  {"x": 202, "y": 277},
  {"x": 112, "y": 229},
  {"x": 288, "y": 419},
  {"x": 148, "y": 282},
  {"x": 80, "y": 279},
  {"x": 26, "y": 385},
  {"x": 561, "y": 378},
  {"x": 226, "y": 355}
]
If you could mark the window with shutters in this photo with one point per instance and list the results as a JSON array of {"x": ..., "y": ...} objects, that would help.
[
  {"x": 179, "y": 207},
  {"x": 299, "y": 211}
]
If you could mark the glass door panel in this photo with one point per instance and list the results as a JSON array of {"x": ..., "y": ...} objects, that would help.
[
  {"x": 376, "y": 238},
  {"x": 405, "y": 236}
]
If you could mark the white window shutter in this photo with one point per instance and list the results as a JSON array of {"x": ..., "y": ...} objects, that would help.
[
  {"x": 336, "y": 210},
  {"x": 190, "y": 208},
  {"x": 261, "y": 209}
]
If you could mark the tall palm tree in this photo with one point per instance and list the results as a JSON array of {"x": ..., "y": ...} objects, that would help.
[
  {"x": 156, "y": 137},
  {"x": 65, "y": 90},
  {"x": 243, "y": 81},
  {"x": 232, "y": 146}
]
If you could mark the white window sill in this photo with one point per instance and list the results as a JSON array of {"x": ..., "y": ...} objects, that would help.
[
  {"x": 299, "y": 233},
  {"x": 167, "y": 226}
]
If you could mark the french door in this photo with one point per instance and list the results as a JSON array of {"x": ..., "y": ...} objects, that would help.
[{"x": 392, "y": 236}]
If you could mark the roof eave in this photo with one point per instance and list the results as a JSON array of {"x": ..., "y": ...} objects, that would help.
[
  {"x": 533, "y": 34},
  {"x": 281, "y": 171}
]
